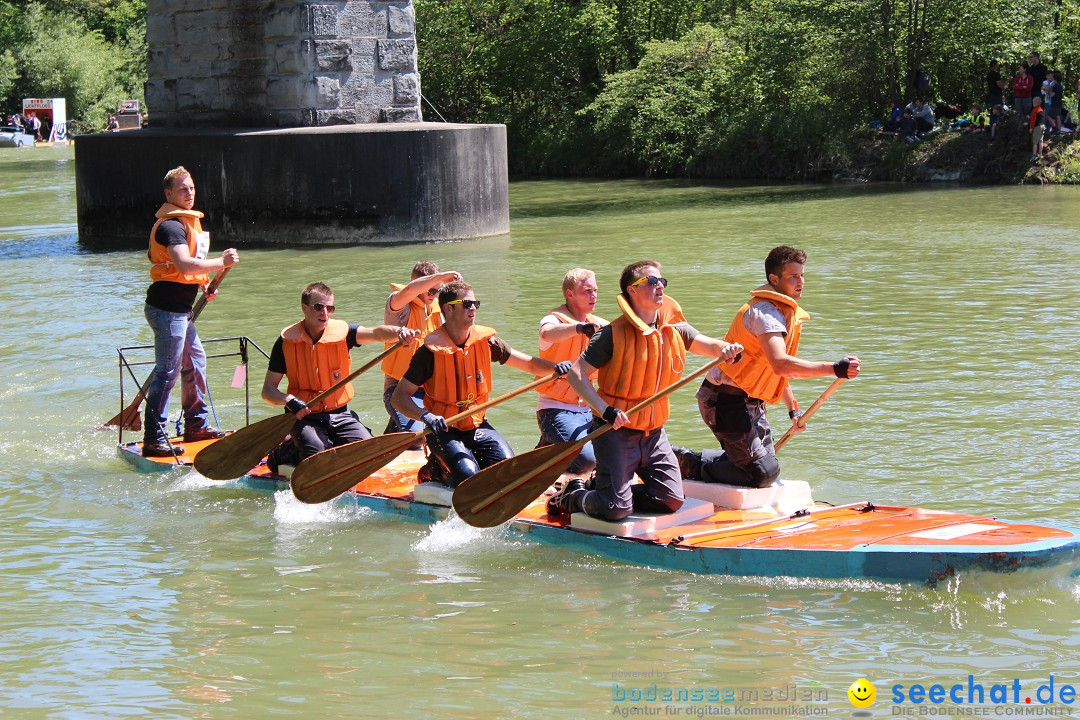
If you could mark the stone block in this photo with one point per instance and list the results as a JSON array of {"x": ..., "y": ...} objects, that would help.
[
  {"x": 160, "y": 31},
  {"x": 287, "y": 22},
  {"x": 400, "y": 115},
  {"x": 337, "y": 116},
  {"x": 397, "y": 54},
  {"x": 333, "y": 55},
  {"x": 195, "y": 94},
  {"x": 407, "y": 89},
  {"x": 285, "y": 93},
  {"x": 191, "y": 25},
  {"x": 401, "y": 19},
  {"x": 362, "y": 19},
  {"x": 294, "y": 58},
  {"x": 286, "y": 118},
  {"x": 157, "y": 63},
  {"x": 368, "y": 95},
  {"x": 324, "y": 20},
  {"x": 327, "y": 93},
  {"x": 364, "y": 51},
  {"x": 160, "y": 95}
]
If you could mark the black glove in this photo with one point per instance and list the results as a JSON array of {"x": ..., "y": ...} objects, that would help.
[
  {"x": 295, "y": 405},
  {"x": 840, "y": 368},
  {"x": 586, "y": 329},
  {"x": 563, "y": 367},
  {"x": 611, "y": 414},
  {"x": 437, "y": 423}
]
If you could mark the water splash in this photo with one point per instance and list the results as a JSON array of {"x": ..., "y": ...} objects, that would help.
[
  {"x": 290, "y": 511},
  {"x": 453, "y": 533}
]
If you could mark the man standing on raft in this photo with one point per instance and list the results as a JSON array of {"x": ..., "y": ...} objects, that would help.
[
  {"x": 732, "y": 398},
  {"x": 564, "y": 335},
  {"x": 634, "y": 357}
]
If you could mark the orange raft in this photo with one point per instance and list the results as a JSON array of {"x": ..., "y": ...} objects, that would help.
[{"x": 777, "y": 531}]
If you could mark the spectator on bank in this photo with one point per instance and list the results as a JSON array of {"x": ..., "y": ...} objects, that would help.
[
  {"x": 1057, "y": 87},
  {"x": 113, "y": 124},
  {"x": 1022, "y": 86},
  {"x": 995, "y": 118},
  {"x": 1037, "y": 71},
  {"x": 892, "y": 123},
  {"x": 909, "y": 129},
  {"x": 924, "y": 116},
  {"x": 1035, "y": 124},
  {"x": 995, "y": 86}
]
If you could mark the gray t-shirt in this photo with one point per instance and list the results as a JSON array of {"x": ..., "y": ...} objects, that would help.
[
  {"x": 761, "y": 318},
  {"x": 393, "y": 317}
]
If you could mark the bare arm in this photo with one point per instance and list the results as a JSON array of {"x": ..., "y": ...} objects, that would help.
[
  {"x": 181, "y": 258},
  {"x": 274, "y": 396},
  {"x": 403, "y": 402},
  {"x": 385, "y": 333},
  {"x": 528, "y": 363},
  {"x": 790, "y": 366},
  {"x": 715, "y": 347},
  {"x": 582, "y": 385},
  {"x": 552, "y": 333},
  {"x": 419, "y": 286}
]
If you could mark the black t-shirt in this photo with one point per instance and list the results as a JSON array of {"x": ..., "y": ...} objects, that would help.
[
  {"x": 1038, "y": 73},
  {"x": 602, "y": 345},
  {"x": 422, "y": 366},
  {"x": 277, "y": 353},
  {"x": 992, "y": 87},
  {"x": 165, "y": 294}
]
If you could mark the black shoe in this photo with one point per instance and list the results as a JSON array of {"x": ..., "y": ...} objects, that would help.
[
  {"x": 564, "y": 502},
  {"x": 689, "y": 462},
  {"x": 160, "y": 449},
  {"x": 206, "y": 433}
]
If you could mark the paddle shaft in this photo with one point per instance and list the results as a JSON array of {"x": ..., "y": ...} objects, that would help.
[
  {"x": 125, "y": 415},
  {"x": 810, "y": 412},
  {"x": 573, "y": 450}
]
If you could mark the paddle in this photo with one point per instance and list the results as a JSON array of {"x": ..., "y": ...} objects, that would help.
[
  {"x": 810, "y": 412},
  {"x": 500, "y": 491},
  {"x": 238, "y": 452},
  {"x": 129, "y": 418},
  {"x": 327, "y": 474}
]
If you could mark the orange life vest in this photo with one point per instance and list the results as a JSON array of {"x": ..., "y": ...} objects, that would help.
[
  {"x": 313, "y": 367},
  {"x": 162, "y": 267},
  {"x": 570, "y": 349},
  {"x": 419, "y": 319},
  {"x": 462, "y": 375},
  {"x": 752, "y": 372},
  {"x": 643, "y": 362}
]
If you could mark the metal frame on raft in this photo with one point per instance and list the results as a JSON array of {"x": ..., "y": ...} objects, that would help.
[{"x": 128, "y": 365}]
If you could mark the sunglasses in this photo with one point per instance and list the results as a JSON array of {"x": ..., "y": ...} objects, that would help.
[
  {"x": 467, "y": 304},
  {"x": 319, "y": 307},
  {"x": 651, "y": 279},
  {"x": 433, "y": 292}
]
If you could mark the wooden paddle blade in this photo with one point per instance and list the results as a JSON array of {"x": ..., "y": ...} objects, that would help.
[
  {"x": 235, "y": 454},
  {"x": 499, "y": 492},
  {"x": 327, "y": 474}
]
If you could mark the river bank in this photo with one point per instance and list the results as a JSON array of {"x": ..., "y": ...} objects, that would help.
[{"x": 958, "y": 157}]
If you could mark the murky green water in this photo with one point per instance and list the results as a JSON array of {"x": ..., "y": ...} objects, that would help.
[{"x": 164, "y": 597}]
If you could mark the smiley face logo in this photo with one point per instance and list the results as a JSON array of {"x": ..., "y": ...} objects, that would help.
[{"x": 862, "y": 694}]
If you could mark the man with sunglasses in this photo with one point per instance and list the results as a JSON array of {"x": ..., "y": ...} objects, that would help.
[
  {"x": 179, "y": 267},
  {"x": 564, "y": 335},
  {"x": 413, "y": 306},
  {"x": 314, "y": 354},
  {"x": 453, "y": 366},
  {"x": 640, "y": 353},
  {"x": 732, "y": 398}
]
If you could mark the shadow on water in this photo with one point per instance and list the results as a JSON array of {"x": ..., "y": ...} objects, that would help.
[{"x": 555, "y": 198}]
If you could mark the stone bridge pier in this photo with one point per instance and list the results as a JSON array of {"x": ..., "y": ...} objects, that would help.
[{"x": 301, "y": 123}]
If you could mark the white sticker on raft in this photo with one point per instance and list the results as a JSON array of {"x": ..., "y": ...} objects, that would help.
[
  {"x": 638, "y": 525},
  {"x": 432, "y": 493},
  {"x": 784, "y": 495},
  {"x": 955, "y": 531}
]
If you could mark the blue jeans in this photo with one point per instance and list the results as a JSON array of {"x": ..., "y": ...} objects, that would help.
[
  {"x": 558, "y": 426},
  {"x": 178, "y": 355}
]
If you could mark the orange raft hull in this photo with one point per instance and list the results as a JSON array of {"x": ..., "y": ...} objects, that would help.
[{"x": 862, "y": 540}]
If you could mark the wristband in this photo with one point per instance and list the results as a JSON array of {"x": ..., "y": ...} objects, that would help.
[
  {"x": 295, "y": 405},
  {"x": 840, "y": 368},
  {"x": 794, "y": 414},
  {"x": 611, "y": 414}
]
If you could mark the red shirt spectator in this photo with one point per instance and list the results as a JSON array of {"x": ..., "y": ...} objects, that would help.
[{"x": 1022, "y": 85}]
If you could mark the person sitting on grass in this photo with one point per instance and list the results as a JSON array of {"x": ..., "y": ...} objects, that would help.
[
  {"x": 909, "y": 129},
  {"x": 924, "y": 116}
]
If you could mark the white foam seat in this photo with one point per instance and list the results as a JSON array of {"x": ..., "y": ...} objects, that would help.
[
  {"x": 433, "y": 494},
  {"x": 286, "y": 471},
  {"x": 638, "y": 525},
  {"x": 782, "y": 494}
]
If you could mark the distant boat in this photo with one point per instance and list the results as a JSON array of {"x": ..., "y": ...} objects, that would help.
[{"x": 13, "y": 137}]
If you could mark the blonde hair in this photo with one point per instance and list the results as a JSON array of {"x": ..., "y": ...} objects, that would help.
[
  {"x": 576, "y": 276},
  {"x": 171, "y": 176}
]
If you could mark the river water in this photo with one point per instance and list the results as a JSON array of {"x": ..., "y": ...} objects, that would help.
[{"x": 126, "y": 595}]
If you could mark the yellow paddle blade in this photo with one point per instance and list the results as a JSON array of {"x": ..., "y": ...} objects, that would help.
[
  {"x": 233, "y": 455},
  {"x": 327, "y": 474},
  {"x": 499, "y": 492}
]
